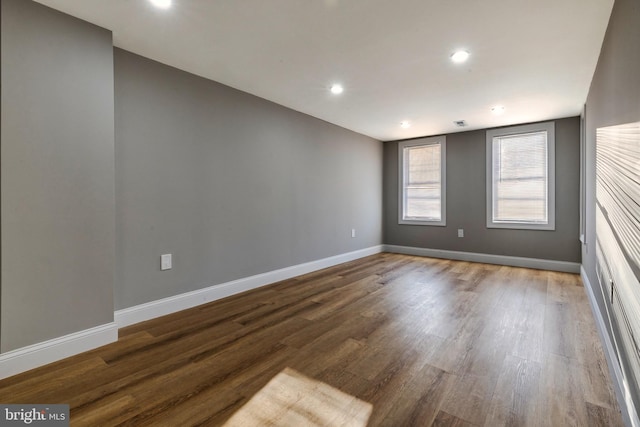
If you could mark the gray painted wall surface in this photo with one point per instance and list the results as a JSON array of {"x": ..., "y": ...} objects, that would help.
[
  {"x": 57, "y": 157},
  {"x": 614, "y": 98},
  {"x": 230, "y": 184},
  {"x": 466, "y": 202}
]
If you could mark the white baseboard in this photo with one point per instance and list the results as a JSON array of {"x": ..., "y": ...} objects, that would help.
[
  {"x": 21, "y": 360},
  {"x": 539, "y": 264},
  {"x": 153, "y": 309},
  {"x": 628, "y": 409}
]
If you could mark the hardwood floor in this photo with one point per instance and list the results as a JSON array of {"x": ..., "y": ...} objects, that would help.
[{"x": 425, "y": 341}]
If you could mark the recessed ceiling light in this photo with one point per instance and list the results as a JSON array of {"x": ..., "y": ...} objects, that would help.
[
  {"x": 460, "y": 56},
  {"x": 405, "y": 124},
  {"x": 162, "y": 4},
  {"x": 337, "y": 89},
  {"x": 497, "y": 110}
]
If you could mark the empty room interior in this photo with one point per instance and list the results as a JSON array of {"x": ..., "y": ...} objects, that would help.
[{"x": 320, "y": 213}]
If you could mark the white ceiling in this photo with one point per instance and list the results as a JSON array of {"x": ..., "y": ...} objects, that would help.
[{"x": 535, "y": 57}]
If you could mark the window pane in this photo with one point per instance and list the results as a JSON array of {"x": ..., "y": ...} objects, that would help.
[
  {"x": 422, "y": 186},
  {"x": 520, "y": 176}
]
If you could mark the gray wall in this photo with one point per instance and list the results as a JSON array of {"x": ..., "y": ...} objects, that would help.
[
  {"x": 57, "y": 175},
  {"x": 614, "y": 98},
  {"x": 230, "y": 184},
  {"x": 466, "y": 202}
]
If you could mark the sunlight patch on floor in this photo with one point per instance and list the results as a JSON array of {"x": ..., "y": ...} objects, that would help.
[{"x": 291, "y": 399}]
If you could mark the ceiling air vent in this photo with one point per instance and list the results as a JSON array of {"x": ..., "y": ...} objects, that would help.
[{"x": 460, "y": 123}]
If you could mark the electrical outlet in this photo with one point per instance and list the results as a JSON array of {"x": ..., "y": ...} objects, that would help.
[
  {"x": 353, "y": 233},
  {"x": 460, "y": 232},
  {"x": 165, "y": 262}
]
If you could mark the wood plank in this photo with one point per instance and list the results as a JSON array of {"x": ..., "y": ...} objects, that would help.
[
  {"x": 447, "y": 420},
  {"x": 469, "y": 397},
  {"x": 603, "y": 417},
  {"x": 563, "y": 401},
  {"x": 420, "y": 404},
  {"x": 515, "y": 398}
]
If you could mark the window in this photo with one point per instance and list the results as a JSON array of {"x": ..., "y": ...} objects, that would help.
[
  {"x": 521, "y": 177},
  {"x": 422, "y": 181}
]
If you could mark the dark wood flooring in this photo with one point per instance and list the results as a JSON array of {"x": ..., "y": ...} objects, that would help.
[{"x": 425, "y": 341}]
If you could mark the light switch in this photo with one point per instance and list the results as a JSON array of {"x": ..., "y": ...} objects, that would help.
[
  {"x": 460, "y": 232},
  {"x": 165, "y": 262}
]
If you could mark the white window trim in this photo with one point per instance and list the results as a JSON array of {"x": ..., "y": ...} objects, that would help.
[
  {"x": 551, "y": 182},
  {"x": 442, "y": 140}
]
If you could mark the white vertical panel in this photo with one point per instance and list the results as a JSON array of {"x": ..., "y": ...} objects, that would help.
[{"x": 618, "y": 234}]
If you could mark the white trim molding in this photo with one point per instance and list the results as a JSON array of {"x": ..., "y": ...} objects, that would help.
[
  {"x": 153, "y": 309},
  {"x": 628, "y": 409},
  {"x": 548, "y": 128},
  {"x": 403, "y": 177},
  {"x": 30, "y": 357},
  {"x": 539, "y": 264}
]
